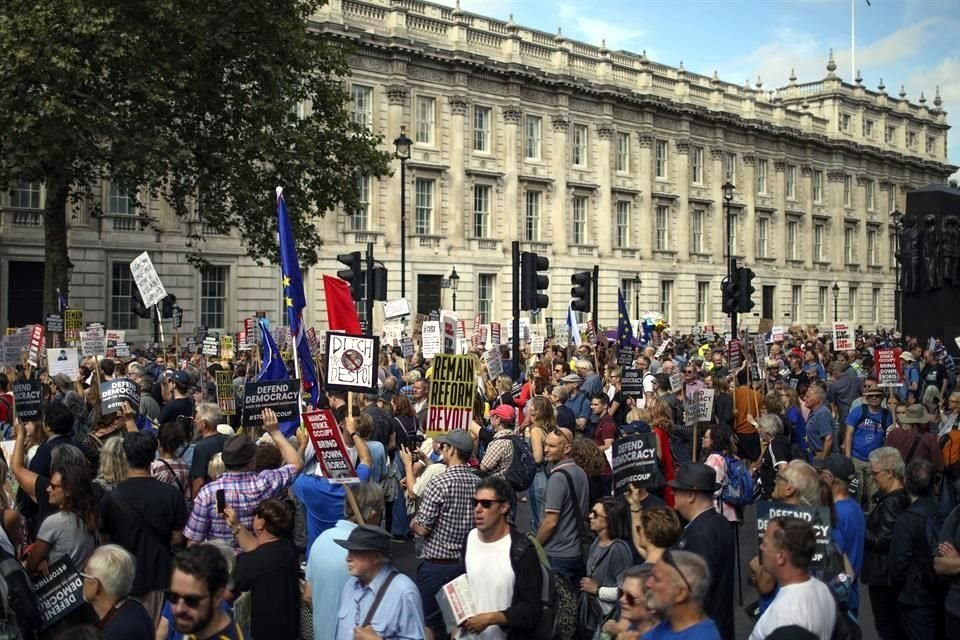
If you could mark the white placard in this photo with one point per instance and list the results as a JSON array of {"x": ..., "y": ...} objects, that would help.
[
  {"x": 449, "y": 333},
  {"x": 494, "y": 363},
  {"x": 352, "y": 362},
  {"x": 148, "y": 282},
  {"x": 93, "y": 342},
  {"x": 432, "y": 339},
  {"x": 116, "y": 336},
  {"x": 700, "y": 407},
  {"x": 842, "y": 338},
  {"x": 536, "y": 344},
  {"x": 776, "y": 334},
  {"x": 396, "y": 308},
  {"x": 392, "y": 332},
  {"x": 64, "y": 360}
]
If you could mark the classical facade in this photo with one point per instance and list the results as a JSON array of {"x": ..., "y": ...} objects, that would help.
[{"x": 587, "y": 156}]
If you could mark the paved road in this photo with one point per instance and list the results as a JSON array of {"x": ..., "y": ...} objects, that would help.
[{"x": 405, "y": 557}]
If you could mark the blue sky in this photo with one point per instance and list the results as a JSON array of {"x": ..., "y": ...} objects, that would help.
[{"x": 905, "y": 42}]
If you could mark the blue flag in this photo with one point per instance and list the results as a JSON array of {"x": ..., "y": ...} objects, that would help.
[
  {"x": 274, "y": 369},
  {"x": 294, "y": 299},
  {"x": 624, "y": 327}
]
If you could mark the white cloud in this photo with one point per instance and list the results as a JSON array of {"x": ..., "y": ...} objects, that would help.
[
  {"x": 498, "y": 9},
  {"x": 582, "y": 26}
]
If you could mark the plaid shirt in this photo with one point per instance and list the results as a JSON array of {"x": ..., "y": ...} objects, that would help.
[
  {"x": 446, "y": 510},
  {"x": 243, "y": 492}
]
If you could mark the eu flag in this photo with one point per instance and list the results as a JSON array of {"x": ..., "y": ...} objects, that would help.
[
  {"x": 624, "y": 327},
  {"x": 273, "y": 369},
  {"x": 295, "y": 299}
]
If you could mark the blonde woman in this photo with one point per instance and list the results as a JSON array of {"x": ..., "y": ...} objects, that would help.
[
  {"x": 543, "y": 420},
  {"x": 113, "y": 464}
]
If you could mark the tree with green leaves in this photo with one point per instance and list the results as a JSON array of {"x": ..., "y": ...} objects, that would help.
[{"x": 197, "y": 102}]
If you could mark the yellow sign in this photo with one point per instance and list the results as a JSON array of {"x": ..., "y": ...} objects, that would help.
[
  {"x": 225, "y": 395},
  {"x": 226, "y": 347},
  {"x": 72, "y": 324},
  {"x": 452, "y": 390}
]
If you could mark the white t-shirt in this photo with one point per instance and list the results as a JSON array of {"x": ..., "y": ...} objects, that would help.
[
  {"x": 491, "y": 579},
  {"x": 806, "y": 604}
]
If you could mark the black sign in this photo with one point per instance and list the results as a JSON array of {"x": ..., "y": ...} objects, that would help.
[
  {"x": 631, "y": 383},
  {"x": 191, "y": 344},
  {"x": 434, "y": 315},
  {"x": 818, "y": 517},
  {"x": 177, "y": 317},
  {"x": 625, "y": 356},
  {"x": 635, "y": 461},
  {"x": 201, "y": 333},
  {"x": 113, "y": 393},
  {"x": 54, "y": 323},
  {"x": 283, "y": 396},
  {"x": 27, "y": 395},
  {"x": 59, "y": 592},
  {"x": 549, "y": 322}
]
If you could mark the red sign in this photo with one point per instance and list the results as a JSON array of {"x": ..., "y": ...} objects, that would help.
[
  {"x": 328, "y": 444},
  {"x": 249, "y": 333},
  {"x": 36, "y": 340},
  {"x": 734, "y": 355},
  {"x": 887, "y": 367}
]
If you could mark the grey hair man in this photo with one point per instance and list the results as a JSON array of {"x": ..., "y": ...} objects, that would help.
[
  {"x": 676, "y": 589},
  {"x": 107, "y": 580}
]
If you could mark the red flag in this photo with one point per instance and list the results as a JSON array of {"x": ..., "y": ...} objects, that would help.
[{"x": 341, "y": 311}]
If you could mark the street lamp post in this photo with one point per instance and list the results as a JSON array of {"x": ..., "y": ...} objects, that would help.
[
  {"x": 897, "y": 218},
  {"x": 454, "y": 283},
  {"x": 836, "y": 298},
  {"x": 402, "y": 145},
  {"x": 636, "y": 296},
  {"x": 728, "y": 190}
]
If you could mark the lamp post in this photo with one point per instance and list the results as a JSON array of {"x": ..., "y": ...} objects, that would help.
[
  {"x": 636, "y": 295},
  {"x": 454, "y": 283},
  {"x": 897, "y": 218},
  {"x": 836, "y": 298},
  {"x": 728, "y": 190},
  {"x": 402, "y": 145}
]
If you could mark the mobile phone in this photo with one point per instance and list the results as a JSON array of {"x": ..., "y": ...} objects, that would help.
[{"x": 221, "y": 500}]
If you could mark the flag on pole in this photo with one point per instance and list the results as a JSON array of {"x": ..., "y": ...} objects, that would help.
[
  {"x": 61, "y": 301},
  {"x": 341, "y": 312},
  {"x": 624, "y": 327},
  {"x": 573, "y": 325},
  {"x": 274, "y": 369},
  {"x": 295, "y": 299}
]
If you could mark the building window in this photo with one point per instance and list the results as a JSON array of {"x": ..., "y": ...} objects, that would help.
[
  {"x": 822, "y": 304},
  {"x": 891, "y": 198},
  {"x": 362, "y": 98},
  {"x": 26, "y": 196},
  {"x": 661, "y": 224},
  {"x": 868, "y": 126},
  {"x": 791, "y": 181},
  {"x": 481, "y": 210},
  {"x": 931, "y": 144},
  {"x": 579, "y": 226},
  {"x": 426, "y": 119},
  {"x": 817, "y": 185},
  {"x": 531, "y": 224},
  {"x": 845, "y": 122},
  {"x": 730, "y": 167},
  {"x": 623, "y": 224},
  {"x": 666, "y": 298},
  {"x": 796, "y": 301},
  {"x": 423, "y": 218},
  {"x": 792, "y": 227},
  {"x": 871, "y": 194},
  {"x": 703, "y": 302},
  {"x": 818, "y": 231},
  {"x": 875, "y": 305},
  {"x": 891, "y": 135},
  {"x": 696, "y": 165},
  {"x": 660, "y": 158},
  {"x": 763, "y": 227},
  {"x": 486, "y": 283},
  {"x": 732, "y": 236},
  {"x": 121, "y": 292},
  {"x": 361, "y": 216},
  {"x": 912, "y": 139},
  {"x": 852, "y": 305},
  {"x": 579, "y": 145},
  {"x": 120, "y": 203},
  {"x": 849, "y": 237},
  {"x": 873, "y": 254},
  {"x": 213, "y": 297},
  {"x": 627, "y": 289},
  {"x": 481, "y": 129},
  {"x": 848, "y": 191},
  {"x": 623, "y": 152},
  {"x": 696, "y": 231},
  {"x": 532, "y": 129},
  {"x": 761, "y": 176}
]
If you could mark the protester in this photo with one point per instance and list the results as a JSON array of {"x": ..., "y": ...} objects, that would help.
[
  {"x": 866, "y": 427},
  {"x": 542, "y": 421},
  {"x": 717, "y": 449},
  {"x": 611, "y": 552},
  {"x": 168, "y": 467},
  {"x": 821, "y": 432},
  {"x": 499, "y": 453},
  {"x": 775, "y": 452},
  {"x": 658, "y": 530},
  {"x": 70, "y": 531},
  {"x": 209, "y": 443},
  {"x": 849, "y": 527},
  {"x": 565, "y": 505},
  {"x": 198, "y": 588},
  {"x": 907, "y": 438},
  {"x": 677, "y": 586},
  {"x": 107, "y": 579},
  {"x": 635, "y": 616}
]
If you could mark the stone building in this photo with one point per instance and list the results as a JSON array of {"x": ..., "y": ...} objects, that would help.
[{"x": 582, "y": 154}]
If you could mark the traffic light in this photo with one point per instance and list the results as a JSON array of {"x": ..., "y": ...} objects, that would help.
[
  {"x": 745, "y": 293},
  {"x": 532, "y": 282},
  {"x": 353, "y": 274},
  {"x": 136, "y": 304},
  {"x": 379, "y": 283},
  {"x": 166, "y": 306},
  {"x": 581, "y": 281},
  {"x": 731, "y": 294}
]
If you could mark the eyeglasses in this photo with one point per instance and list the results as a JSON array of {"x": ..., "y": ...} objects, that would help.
[
  {"x": 191, "y": 601},
  {"x": 626, "y": 596},
  {"x": 486, "y": 504},
  {"x": 560, "y": 432},
  {"x": 87, "y": 576},
  {"x": 668, "y": 558}
]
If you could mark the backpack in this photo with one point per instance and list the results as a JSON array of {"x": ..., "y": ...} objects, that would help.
[
  {"x": 950, "y": 448},
  {"x": 738, "y": 489},
  {"x": 555, "y": 621},
  {"x": 20, "y": 617},
  {"x": 522, "y": 467}
]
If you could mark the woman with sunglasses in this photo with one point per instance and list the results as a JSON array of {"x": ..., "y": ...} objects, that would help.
[
  {"x": 611, "y": 552},
  {"x": 69, "y": 531},
  {"x": 635, "y": 618}
]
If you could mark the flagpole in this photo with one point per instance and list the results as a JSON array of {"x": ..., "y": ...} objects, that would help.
[{"x": 853, "y": 39}]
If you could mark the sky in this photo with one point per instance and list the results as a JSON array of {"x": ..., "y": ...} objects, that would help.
[{"x": 913, "y": 43}]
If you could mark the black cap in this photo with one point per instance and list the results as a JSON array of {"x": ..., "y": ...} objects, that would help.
[
  {"x": 366, "y": 537},
  {"x": 695, "y": 476}
]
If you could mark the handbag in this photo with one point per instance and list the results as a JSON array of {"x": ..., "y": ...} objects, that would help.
[{"x": 589, "y": 611}]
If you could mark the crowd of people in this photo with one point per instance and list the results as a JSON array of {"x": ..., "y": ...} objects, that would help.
[{"x": 180, "y": 521}]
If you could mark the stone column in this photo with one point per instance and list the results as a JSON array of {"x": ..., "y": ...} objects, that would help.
[
  {"x": 717, "y": 245},
  {"x": 459, "y": 106},
  {"x": 860, "y": 206},
  {"x": 778, "y": 228},
  {"x": 558, "y": 167},
  {"x": 644, "y": 208},
  {"x": 513, "y": 204},
  {"x": 683, "y": 200},
  {"x": 749, "y": 222},
  {"x": 397, "y": 97},
  {"x": 806, "y": 172},
  {"x": 835, "y": 179},
  {"x": 604, "y": 214}
]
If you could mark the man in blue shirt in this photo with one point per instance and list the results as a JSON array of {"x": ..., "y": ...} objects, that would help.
[
  {"x": 851, "y": 526},
  {"x": 578, "y": 403},
  {"x": 866, "y": 427},
  {"x": 399, "y": 613},
  {"x": 675, "y": 591},
  {"x": 821, "y": 434}
]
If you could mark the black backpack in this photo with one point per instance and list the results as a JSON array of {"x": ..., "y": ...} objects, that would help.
[
  {"x": 20, "y": 617},
  {"x": 552, "y": 618},
  {"x": 522, "y": 467}
]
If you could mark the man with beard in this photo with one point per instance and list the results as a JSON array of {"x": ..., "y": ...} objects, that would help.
[
  {"x": 676, "y": 590},
  {"x": 197, "y": 590}
]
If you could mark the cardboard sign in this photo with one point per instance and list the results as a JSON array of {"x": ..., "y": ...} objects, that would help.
[
  {"x": 283, "y": 396},
  {"x": 54, "y": 323},
  {"x": 887, "y": 367},
  {"x": 64, "y": 360},
  {"x": 449, "y": 334},
  {"x": 36, "y": 342},
  {"x": 495, "y": 333},
  {"x": 451, "y": 393},
  {"x": 28, "y": 397},
  {"x": 148, "y": 282},
  {"x": 818, "y": 517},
  {"x": 734, "y": 355},
  {"x": 494, "y": 363},
  {"x": 549, "y": 325},
  {"x": 406, "y": 347},
  {"x": 226, "y": 399},
  {"x": 352, "y": 362},
  {"x": 211, "y": 346},
  {"x": 776, "y": 334},
  {"x": 635, "y": 461},
  {"x": 662, "y": 348},
  {"x": 93, "y": 342},
  {"x": 59, "y": 593},
  {"x": 177, "y": 317},
  {"x": 113, "y": 393},
  {"x": 226, "y": 347},
  {"x": 842, "y": 337},
  {"x": 73, "y": 324},
  {"x": 699, "y": 408},
  {"x": 432, "y": 342},
  {"x": 398, "y": 308},
  {"x": 625, "y": 357},
  {"x": 676, "y": 381},
  {"x": 329, "y": 447},
  {"x": 631, "y": 383},
  {"x": 537, "y": 344}
]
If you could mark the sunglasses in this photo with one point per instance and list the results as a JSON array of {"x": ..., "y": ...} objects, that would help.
[
  {"x": 668, "y": 558},
  {"x": 627, "y": 597},
  {"x": 486, "y": 504},
  {"x": 191, "y": 601},
  {"x": 560, "y": 432}
]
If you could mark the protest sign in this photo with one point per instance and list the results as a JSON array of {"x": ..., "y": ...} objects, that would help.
[
  {"x": 226, "y": 347},
  {"x": 398, "y": 308},
  {"x": 536, "y": 344},
  {"x": 311, "y": 341},
  {"x": 494, "y": 363},
  {"x": 432, "y": 342},
  {"x": 495, "y": 333},
  {"x": 54, "y": 323},
  {"x": 226, "y": 399},
  {"x": 452, "y": 390},
  {"x": 625, "y": 356},
  {"x": 406, "y": 347},
  {"x": 36, "y": 342},
  {"x": 250, "y": 334},
  {"x": 524, "y": 329},
  {"x": 59, "y": 593},
  {"x": 147, "y": 280},
  {"x": 449, "y": 334},
  {"x": 93, "y": 342},
  {"x": 28, "y": 397},
  {"x": 760, "y": 348},
  {"x": 63, "y": 361},
  {"x": 177, "y": 317},
  {"x": 818, "y": 517},
  {"x": 635, "y": 461},
  {"x": 211, "y": 346},
  {"x": 776, "y": 334},
  {"x": 842, "y": 339},
  {"x": 416, "y": 329},
  {"x": 676, "y": 381},
  {"x": 887, "y": 367},
  {"x": 192, "y": 344},
  {"x": 699, "y": 408},
  {"x": 11, "y": 351},
  {"x": 114, "y": 336},
  {"x": 392, "y": 332},
  {"x": 201, "y": 333},
  {"x": 122, "y": 350},
  {"x": 631, "y": 383},
  {"x": 283, "y": 396},
  {"x": 549, "y": 324},
  {"x": 591, "y": 331},
  {"x": 734, "y": 355},
  {"x": 562, "y": 334},
  {"x": 461, "y": 330},
  {"x": 113, "y": 393},
  {"x": 662, "y": 348},
  {"x": 328, "y": 444},
  {"x": 73, "y": 324},
  {"x": 352, "y": 362}
]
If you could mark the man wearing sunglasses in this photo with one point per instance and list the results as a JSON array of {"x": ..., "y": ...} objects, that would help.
[
  {"x": 560, "y": 527},
  {"x": 676, "y": 589},
  {"x": 198, "y": 587}
]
